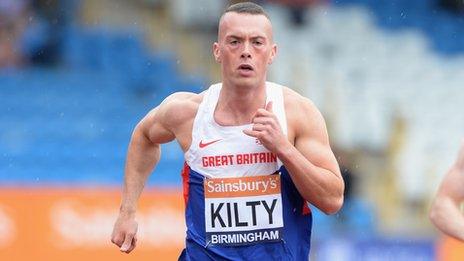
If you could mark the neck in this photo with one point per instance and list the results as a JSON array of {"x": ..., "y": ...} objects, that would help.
[{"x": 238, "y": 104}]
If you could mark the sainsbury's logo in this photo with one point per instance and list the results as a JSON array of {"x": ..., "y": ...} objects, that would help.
[{"x": 242, "y": 186}]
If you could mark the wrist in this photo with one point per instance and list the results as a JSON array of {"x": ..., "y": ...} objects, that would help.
[
  {"x": 128, "y": 211},
  {"x": 285, "y": 150}
]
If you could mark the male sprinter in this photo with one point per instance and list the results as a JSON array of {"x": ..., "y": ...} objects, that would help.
[
  {"x": 256, "y": 153},
  {"x": 446, "y": 211}
]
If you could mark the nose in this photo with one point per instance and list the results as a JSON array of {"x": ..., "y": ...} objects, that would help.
[{"x": 246, "y": 51}]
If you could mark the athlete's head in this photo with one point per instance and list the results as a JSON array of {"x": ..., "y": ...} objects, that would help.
[{"x": 245, "y": 46}]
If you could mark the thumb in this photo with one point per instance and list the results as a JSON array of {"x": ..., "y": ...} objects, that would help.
[
  {"x": 127, "y": 243},
  {"x": 269, "y": 106}
]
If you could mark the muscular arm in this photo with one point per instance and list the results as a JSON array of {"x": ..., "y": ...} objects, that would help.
[
  {"x": 445, "y": 212},
  {"x": 142, "y": 156},
  {"x": 310, "y": 161}
]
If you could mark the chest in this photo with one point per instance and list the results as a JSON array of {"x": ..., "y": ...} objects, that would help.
[
  {"x": 218, "y": 151},
  {"x": 183, "y": 133}
]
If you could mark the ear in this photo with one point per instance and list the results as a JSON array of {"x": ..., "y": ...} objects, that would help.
[
  {"x": 216, "y": 52},
  {"x": 273, "y": 54}
]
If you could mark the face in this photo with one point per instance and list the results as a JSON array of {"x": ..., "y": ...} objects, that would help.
[{"x": 245, "y": 49}]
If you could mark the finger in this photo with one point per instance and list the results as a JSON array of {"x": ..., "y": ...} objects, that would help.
[
  {"x": 133, "y": 245},
  {"x": 263, "y": 120},
  {"x": 262, "y": 112},
  {"x": 269, "y": 107},
  {"x": 127, "y": 243},
  {"x": 117, "y": 240},
  {"x": 251, "y": 133},
  {"x": 259, "y": 127}
]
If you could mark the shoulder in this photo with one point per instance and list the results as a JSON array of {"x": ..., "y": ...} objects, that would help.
[
  {"x": 174, "y": 109},
  {"x": 181, "y": 103},
  {"x": 179, "y": 107},
  {"x": 293, "y": 101},
  {"x": 297, "y": 104},
  {"x": 302, "y": 113}
]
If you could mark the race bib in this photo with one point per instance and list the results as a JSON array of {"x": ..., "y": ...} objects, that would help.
[{"x": 241, "y": 211}]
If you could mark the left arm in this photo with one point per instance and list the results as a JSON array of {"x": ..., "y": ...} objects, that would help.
[
  {"x": 446, "y": 211},
  {"x": 310, "y": 160}
]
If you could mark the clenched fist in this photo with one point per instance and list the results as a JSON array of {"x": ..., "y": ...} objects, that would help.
[{"x": 125, "y": 233}]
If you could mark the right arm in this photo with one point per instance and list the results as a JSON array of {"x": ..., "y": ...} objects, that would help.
[
  {"x": 142, "y": 156},
  {"x": 446, "y": 211}
]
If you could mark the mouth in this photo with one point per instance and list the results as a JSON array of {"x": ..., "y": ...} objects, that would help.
[{"x": 245, "y": 67}]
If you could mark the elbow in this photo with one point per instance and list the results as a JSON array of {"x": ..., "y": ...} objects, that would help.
[
  {"x": 334, "y": 203},
  {"x": 434, "y": 214},
  {"x": 332, "y": 206}
]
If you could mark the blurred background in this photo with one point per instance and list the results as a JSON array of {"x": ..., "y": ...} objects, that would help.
[{"x": 76, "y": 76}]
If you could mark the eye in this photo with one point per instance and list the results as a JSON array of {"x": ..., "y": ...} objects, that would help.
[
  {"x": 233, "y": 42},
  {"x": 257, "y": 42}
]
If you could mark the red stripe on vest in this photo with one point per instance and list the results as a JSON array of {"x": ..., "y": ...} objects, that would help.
[
  {"x": 185, "y": 182},
  {"x": 306, "y": 210}
]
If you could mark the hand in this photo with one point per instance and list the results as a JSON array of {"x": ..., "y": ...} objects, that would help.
[
  {"x": 267, "y": 130},
  {"x": 125, "y": 233}
]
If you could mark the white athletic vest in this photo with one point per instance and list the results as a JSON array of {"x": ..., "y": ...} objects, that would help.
[{"x": 225, "y": 151}]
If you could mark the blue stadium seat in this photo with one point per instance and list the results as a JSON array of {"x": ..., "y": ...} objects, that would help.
[
  {"x": 444, "y": 29},
  {"x": 72, "y": 126}
]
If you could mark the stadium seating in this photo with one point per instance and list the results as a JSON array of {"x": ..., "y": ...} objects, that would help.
[
  {"x": 71, "y": 126},
  {"x": 368, "y": 64}
]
